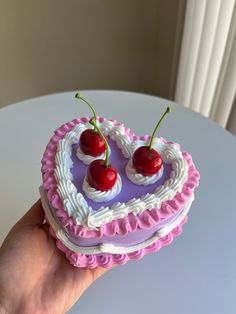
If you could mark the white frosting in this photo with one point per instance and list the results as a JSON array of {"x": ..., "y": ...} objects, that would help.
[
  {"x": 138, "y": 178},
  {"x": 87, "y": 159},
  {"x": 74, "y": 202},
  {"x": 106, "y": 247},
  {"x": 102, "y": 196}
]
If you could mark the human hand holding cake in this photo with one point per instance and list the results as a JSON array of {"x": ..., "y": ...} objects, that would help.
[
  {"x": 142, "y": 210},
  {"x": 36, "y": 277}
]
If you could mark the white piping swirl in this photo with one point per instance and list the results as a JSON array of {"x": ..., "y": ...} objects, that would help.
[
  {"x": 74, "y": 202},
  {"x": 102, "y": 196},
  {"x": 87, "y": 159},
  {"x": 138, "y": 178}
]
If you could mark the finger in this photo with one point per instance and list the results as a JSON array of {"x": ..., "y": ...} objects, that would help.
[
  {"x": 34, "y": 217},
  {"x": 98, "y": 272}
]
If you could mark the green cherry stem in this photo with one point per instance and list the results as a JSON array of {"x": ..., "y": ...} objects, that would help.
[
  {"x": 93, "y": 123},
  {"x": 78, "y": 96},
  {"x": 168, "y": 110}
]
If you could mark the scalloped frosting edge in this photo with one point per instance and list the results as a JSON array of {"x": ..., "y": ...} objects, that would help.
[
  {"x": 109, "y": 260},
  {"x": 64, "y": 237},
  {"x": 120, "y": 226}
]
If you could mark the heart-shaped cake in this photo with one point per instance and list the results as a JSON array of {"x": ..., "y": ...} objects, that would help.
[{"x": 138, "y": 215}]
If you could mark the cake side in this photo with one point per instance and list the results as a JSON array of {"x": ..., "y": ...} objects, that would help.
[{"x": 108, "y": 260}]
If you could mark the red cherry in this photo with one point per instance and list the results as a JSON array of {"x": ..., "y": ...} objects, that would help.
[
  {"x": 146, "y": 161},
  {"x": 101, "y": 177},
  {"x": 91, "y": 143}
]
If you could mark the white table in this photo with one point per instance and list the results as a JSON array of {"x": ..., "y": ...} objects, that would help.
[{"x": 197, "y": 273}]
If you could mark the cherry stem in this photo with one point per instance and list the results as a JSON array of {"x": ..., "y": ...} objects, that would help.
[
  {"x": 168, "y": 110},
  {"x": 78, "y": 96},
  {"x": 93, "y": 123}
]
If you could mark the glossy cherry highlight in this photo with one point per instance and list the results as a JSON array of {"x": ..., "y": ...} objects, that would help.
[
  {"x": 146, "y": 160},
  {"x": 91, "y": 143},
  {"x": 101, "y": 177}
]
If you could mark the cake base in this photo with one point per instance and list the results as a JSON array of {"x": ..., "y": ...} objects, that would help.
[
  {"x": 109, "y": 260},
  {"x": 106, "y": 254}
]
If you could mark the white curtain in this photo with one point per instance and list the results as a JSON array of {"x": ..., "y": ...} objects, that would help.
[{"x": 206, "y": 80}]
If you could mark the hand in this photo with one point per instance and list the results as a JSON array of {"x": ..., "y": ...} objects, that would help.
[{"x": 35, "y": 277}]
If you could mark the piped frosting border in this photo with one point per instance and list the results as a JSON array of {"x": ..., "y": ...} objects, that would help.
[
  {"x": 110, "y": 248},
  {"x": 145, "y": 219},
  {"x": 108, "y": 260}
]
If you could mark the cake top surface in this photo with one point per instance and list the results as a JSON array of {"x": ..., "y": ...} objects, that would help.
[{"x": 139, "y": 206}]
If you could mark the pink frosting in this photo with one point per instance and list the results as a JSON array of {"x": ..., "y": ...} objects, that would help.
[
  {"x": 108, "y": 260},
  {"x": 131, "y": 223}
]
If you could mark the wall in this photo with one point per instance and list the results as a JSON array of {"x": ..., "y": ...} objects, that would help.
[{"x": 58, "y": 45}]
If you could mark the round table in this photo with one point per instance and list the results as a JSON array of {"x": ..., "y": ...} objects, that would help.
[{"x": 196, "y": 273}]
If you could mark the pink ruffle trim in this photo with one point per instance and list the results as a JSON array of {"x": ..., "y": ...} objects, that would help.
[{"x": 109, "y": 260}]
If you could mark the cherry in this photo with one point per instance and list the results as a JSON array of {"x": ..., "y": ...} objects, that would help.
[
  {"x": 146, "y": 160},
  {"x": 91, "y": 143},
  {"x": 101, "y": 175}
]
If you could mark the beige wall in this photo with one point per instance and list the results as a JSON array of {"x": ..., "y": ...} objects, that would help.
[{"x": 49, "y": 46}]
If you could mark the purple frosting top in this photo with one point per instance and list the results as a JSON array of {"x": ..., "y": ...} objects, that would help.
[
  {"x": 130, "y": 223},
  {"x": 129, "y": 189}
]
